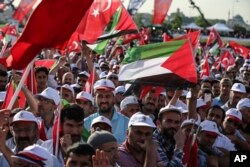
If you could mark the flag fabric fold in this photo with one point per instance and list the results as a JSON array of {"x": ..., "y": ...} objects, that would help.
[
  {"x": 101, "y": 13},
  {"x": 214, "y": 38},
  {"x": 160, "y": 10},
  {"x": 239, "y": 49},
  {"x": 50, "y": 26},
  {"x": 164, "y": 64}
]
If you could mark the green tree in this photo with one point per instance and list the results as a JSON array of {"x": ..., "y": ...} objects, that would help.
[
  {"x": 239, "y": 29},
  {"x": 176, "y": 22},
  {"x": 200, "y": 22}
]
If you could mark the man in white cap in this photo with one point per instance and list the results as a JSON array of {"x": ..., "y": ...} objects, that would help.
[
  {"x": 86, "y": 101},
  {"x": 244, "y": 107},
  {"x": 139, "y": 149},
  {"x": 206, "y": 138},
  {"x": 82, "y": 78},
  {"x": 48, "y": 101},
  {"x": 34, "y": 155},
  {"x": 119, "y": 91},
  {"x": 129, "y": 106},
  {"x": 104, "y": 98},
  {"x": 169, "y": 137},
  {"x": 24, "y": 129},
  {"x": 231, "y": 123},
  {"x": 68, "y": 93},
  {"x": 101, "y": 123},
  {"x": 237, "y": 92}
]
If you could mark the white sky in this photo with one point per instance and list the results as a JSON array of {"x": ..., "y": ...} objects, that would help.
[{"x": 212, "y": 9}]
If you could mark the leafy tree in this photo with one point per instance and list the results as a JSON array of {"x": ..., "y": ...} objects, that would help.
[{"x": 176, "y": 22}]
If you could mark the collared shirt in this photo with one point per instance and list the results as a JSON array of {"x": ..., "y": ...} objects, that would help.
[
  {"x": 119, "y": 125},
  {"x": 223, "y": 141},
  {"x": 217, "y": 101},
  {"x": 126, "y": 158},
  {"x": 169, "y": 157}
]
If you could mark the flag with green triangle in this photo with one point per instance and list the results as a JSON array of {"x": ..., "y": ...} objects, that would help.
[{"x": 169, "y": 64}]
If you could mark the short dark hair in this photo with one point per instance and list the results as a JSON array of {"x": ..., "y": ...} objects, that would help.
[
  {"x": 72, "y": 112},
  {"x": 3, "y": 73},
  {"x": 81, "y": 149},
  {"x": 41, "y": 69},
  {"x": 217, "y": 107}
]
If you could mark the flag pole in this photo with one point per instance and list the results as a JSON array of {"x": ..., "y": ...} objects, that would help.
[
  {"x": 58, "y": 125},
  {"x": 13, "y": 99}
]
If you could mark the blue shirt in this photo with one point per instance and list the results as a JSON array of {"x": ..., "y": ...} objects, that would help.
[
  {"x": 169, "y": 156},
  {"x": 119, "y": 125}
]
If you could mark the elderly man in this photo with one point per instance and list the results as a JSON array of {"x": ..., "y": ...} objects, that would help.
[
  {"x": 129, "y": 106},
  {"x": 24, "y": 129},
  {"x": 168, "y": 136},
  {"x": 104, "y": 98},
  {"x": 139, "y": 149}
]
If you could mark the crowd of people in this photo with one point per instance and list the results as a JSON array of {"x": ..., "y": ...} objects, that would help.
[{"x": 66, "y": 124}]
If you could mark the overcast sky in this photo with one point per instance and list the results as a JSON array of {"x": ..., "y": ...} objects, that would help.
[{"x": 212, "y": 9}]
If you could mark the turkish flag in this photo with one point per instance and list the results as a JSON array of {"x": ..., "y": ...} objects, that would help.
[
  {"x": 160, "y": 10},
  {"x": 98, "y": 18},
  {"x": 227, "y": 59},
  {"x": 213, "y": 38},
  {"x": 50, "y": 26},
  {"x": 239, "y": 49},
  {"x": 205, "y": 69},
  {"x": 74, "y": 43}
]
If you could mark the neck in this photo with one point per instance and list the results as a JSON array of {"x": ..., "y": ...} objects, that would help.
[
  {"x": 48, "y": 120},
  {"x": 108, "y": 114},
  {"x": 224, "y": 98}
]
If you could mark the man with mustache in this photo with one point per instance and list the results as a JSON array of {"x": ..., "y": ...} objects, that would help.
[
  {"x": 169, "y": 137},
  {"x": 24, "y": 129},
  {"x": 71, "y": 127},
  {"x": 104, "y": 99},
  {"x": 139, "y": 149},
  {"x": 236, "y": 94}
]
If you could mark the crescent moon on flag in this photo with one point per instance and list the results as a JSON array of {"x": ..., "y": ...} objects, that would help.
[{"x": 108, "y": 6}]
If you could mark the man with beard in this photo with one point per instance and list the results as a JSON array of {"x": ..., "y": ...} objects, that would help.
[
  {"x": 48, "y": 100},
  {"x": 169, "y": 137},
  {"x": 24, "y": 129},
  {"x": 104, "y": 99},
  {"x": 139, "y": 149},
  {"x": 71, "y": 123},
  {"x": 150, "y": 102},
  {"x": 237, "y": 92}
]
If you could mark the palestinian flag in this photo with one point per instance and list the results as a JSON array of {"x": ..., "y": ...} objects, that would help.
[{"x": 169, "y": 64}]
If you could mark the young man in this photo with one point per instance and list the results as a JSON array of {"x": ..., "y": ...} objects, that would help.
[
  {"x": 104, "y": 98},
  {"x": 71, "y": 127},
  {"x": 168, "y": 136},
  {"x": 79, "y": 155}
]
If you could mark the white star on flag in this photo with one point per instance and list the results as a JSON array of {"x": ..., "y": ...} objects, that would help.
[{"x": 95, "y": 12}]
